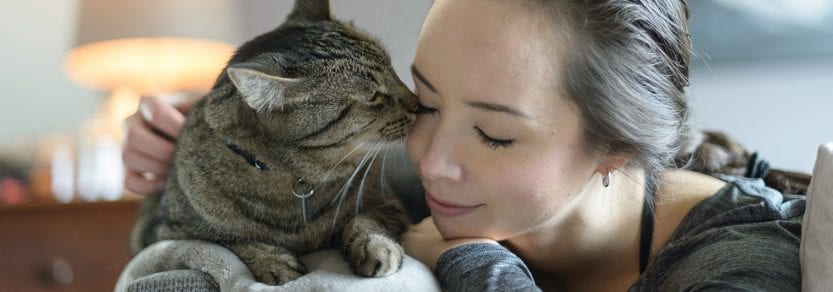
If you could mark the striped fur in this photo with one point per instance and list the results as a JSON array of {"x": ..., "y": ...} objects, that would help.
[{"x": 316, "y": 100}]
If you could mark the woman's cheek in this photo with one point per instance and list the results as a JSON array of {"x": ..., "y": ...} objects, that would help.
[{"x": 416, "y": 139}]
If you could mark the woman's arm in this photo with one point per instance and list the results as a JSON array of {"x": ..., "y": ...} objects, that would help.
[
  {"x": 483, "y": 267},
  {"x": 467, "y": 264}
]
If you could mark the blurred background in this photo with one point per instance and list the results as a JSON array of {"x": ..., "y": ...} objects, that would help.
[{"x": 763, "y": 73}]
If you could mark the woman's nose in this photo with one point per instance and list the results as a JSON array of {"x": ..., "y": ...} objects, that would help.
[{"x": 439, "y": 162}]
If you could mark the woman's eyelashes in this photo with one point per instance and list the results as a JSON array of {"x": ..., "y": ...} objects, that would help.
[
  {"x": 485, "y": 139},
  {"x": 492, "y": 142},
  {"x": 421, "y": 109}
]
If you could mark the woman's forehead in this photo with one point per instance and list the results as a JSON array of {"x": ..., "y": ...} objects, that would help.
[{"x": 490, "y": 51}]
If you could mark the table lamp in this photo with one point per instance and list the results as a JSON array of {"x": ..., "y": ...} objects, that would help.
[
  {"x": 130, "y": 48},
  {"x": 150, "y": 47}
]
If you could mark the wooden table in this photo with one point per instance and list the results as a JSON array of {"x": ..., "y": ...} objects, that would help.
[{"x": 64, "y": 247}]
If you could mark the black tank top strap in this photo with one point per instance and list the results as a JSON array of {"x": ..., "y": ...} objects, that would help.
[{"x": 647, "y": 229}]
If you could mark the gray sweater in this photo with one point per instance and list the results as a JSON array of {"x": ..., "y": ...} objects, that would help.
[{"x": 744, "y": 238}]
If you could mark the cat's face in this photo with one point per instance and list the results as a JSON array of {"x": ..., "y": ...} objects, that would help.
[{"x": 322, "y": 85}]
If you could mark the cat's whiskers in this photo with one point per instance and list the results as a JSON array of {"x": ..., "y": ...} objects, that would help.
[
  {"x": 329, "y": 172},
  {"x": 346, "y": 187},
  {"x": 364, "y": 178},
  {"x": 402, "y": 156},
  {"x": 346, "y": 184},
  {"x": 382, "y": 176}
]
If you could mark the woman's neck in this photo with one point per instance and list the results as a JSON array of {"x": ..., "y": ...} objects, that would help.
[{"x": 597, "y": 238}]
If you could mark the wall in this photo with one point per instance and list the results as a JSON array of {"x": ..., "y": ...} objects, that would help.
[
  {"x": 35, "y": 96},
  {"x": 780, "y": 108},
  {"x": 764, "y": 73}
]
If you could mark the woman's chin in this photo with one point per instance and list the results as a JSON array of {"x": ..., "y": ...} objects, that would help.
[{"x": 451, "y": 230}]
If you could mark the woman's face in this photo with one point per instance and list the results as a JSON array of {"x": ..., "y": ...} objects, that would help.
[{"x": 499, "y": 150}]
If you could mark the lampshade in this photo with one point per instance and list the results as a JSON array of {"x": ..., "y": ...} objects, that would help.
[
  {"x": 130, "y": 48},
  {"x": 153, "y": 46},
  {"x": 148, "y": 65}
]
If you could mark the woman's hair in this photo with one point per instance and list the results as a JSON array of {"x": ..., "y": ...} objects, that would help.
[{"x": 626, "y": 69}]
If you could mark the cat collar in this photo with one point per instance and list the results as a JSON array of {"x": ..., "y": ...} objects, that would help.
[{"x": 250, "y": 158}]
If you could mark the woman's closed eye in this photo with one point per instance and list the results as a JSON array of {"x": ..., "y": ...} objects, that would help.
[
  {"x": 484, "y": 138},
  {"x": 493, "y": 142},
  {"x": 421, "y": 109}
]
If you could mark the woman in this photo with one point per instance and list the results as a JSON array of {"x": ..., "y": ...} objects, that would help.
[{"x": 545, "y": 133}]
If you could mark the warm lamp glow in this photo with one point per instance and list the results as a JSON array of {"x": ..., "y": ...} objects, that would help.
[
  {"x": 130, "y": 48},
  {"x": 149, "y": 65},
  {"x": 131, "y": 67}
]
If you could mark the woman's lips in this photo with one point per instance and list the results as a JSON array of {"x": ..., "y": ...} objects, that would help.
[{"x": 446, "y": 209}]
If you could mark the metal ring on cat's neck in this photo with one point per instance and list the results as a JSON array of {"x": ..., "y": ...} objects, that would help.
[{"x": 303, "y": 195}]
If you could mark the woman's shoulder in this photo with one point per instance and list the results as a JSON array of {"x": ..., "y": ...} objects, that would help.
[
  {"x": 702, "y": 200},
  {"x": 740, "y": 201},
  {"x": 689, "y": 203},
  {"x": 744, "y": 234},
  {"x": 678, "y": 192}
]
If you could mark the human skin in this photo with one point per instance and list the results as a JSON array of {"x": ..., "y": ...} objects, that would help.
[{"x": 150, "y": 143}]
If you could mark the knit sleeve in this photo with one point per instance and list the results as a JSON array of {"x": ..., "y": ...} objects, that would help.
[{"x": 483, "y": 267}]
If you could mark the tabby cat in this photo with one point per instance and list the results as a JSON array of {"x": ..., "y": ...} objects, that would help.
[{"x": 278, "y": 159}]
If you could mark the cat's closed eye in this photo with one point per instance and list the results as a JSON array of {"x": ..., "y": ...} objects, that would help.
[{"x": 377, "y": 98}]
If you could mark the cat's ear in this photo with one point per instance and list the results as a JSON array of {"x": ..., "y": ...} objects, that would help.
[
  {"x": 311, "y": 9},
  {"x": 260, "y": 90}
]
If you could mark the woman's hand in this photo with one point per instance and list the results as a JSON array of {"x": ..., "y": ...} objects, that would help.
[
  {"x": 424, "y": 242},
  {"x": 149, "y": 147}
]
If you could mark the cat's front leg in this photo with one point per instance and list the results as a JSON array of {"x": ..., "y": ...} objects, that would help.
[
  {"x": 370, "y": 248},
  {"x": 270, "y": 264}
]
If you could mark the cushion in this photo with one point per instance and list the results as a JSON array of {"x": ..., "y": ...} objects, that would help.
[
  {"x": 817, "y": 227},
  {"x": 328, "y": 271}
]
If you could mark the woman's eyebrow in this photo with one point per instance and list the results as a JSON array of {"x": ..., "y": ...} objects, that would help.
[
  {"x": 493, "y": 107},
  {"x": 422, "y": 79}
]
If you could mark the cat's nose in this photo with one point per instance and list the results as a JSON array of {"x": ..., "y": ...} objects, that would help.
[{"x": 409, "y": 100}]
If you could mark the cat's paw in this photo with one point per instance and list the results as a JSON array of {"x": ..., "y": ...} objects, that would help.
[
  {"x": 375, "y": 256},
  {"x": 277, "y": 270}
]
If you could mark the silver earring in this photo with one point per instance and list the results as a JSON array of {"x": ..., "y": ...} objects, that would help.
[{"x": 606, "y": 179}]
